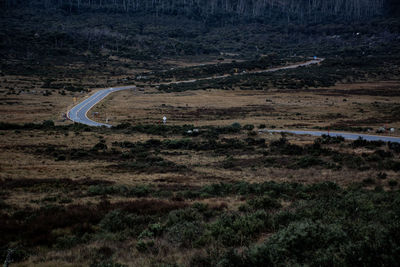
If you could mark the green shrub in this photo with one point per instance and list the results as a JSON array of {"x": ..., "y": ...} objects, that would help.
[
  {"x": 248, "y": 127},
  {"x": 99, "y": 146},
  {"x": 141, "y": 246},
  {"x": 229, "y": 162},
  {"x": 298, "y": 243},
  {"x": 360, "y": 142},
  {"x": 107, "y": 263},
  {"x": 183, "y": 215},
  {"x": 153, "y": 230},
  {"x": 264, "y": 202},
  {"x": 146, "y": 246},
  {"x": 48, "y": 124},
  {"x": 200, "y": 260},
  {"x": 308, "y": 161},
  {"x": 235, "y": 229},
  {"x": 327, "y": 139},
  {"x": 185, "y": 233},
  {"x": 368, "y": 181},
  {"x": 382, "y": 175},
  {"x": 116, "y": 221},
  {"x": 66, "y": 242},
  {"x": 236, "y": 126}
]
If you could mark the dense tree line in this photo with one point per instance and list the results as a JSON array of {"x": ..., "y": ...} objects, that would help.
[{"x": 263, "y": 10}]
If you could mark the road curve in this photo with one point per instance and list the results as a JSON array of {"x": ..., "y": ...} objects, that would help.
[
  {"x": 349, "y": 136},
  {"x": 79, "y": 112}
]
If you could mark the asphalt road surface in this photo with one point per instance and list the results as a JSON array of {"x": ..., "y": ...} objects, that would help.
[
  {"x": 79, "y": 112},
  {"x": 350, "y": 136}
]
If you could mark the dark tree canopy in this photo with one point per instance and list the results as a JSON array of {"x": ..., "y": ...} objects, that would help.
[{"x": 260, "y": 10}]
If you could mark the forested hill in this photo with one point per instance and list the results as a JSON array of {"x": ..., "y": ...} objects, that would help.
[
  {"x": 36, "y": 35},
  {"x": 303, "y": 11}
]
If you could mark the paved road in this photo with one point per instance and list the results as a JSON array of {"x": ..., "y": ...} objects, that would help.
[
  {"x": 350, "y": 136},
  {"x": 79, "y": 112}
]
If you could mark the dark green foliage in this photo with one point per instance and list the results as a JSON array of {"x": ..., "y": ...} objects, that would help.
[
  {"x": 382, "y": 175},
  {"x": 340, "y": 228},
  {"x": 155, "y": 129},
  {"x": 323, "y": 224},
  {"x": 185, "y": 234},
  {"x": 116, "y": 221},
  {"x": 235, "y": 229},
  {"x": 146, "y": 246},
  {"x": 184, "y": 227},
  {"x": 308, "y": 161},
  {"x": 300, "y": 242},
  {"x": 248, "y": 127},
  {"x": 186, "y": 215},
  {"x": 284, "y": 147},
  {"x": 100, "y": 146},
  {"x": 327, "y": 139},
  {"x": 364, "y": 143},
  {"x": 264, "y": 202},
  {"x": 106, "y": 263},
  {"x": 66, "y": 242},
  {"x": 394, "y": 146},
  {"x": 368, "y": 181},
  {"x": 16, "y": 253}
]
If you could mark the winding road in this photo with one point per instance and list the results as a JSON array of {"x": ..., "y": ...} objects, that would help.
[{"x": 79, "y": 112}]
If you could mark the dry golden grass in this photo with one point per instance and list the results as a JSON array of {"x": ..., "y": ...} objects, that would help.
[
  {"x": 18, "y": 160},
  {"x": 302, "y": 110}
]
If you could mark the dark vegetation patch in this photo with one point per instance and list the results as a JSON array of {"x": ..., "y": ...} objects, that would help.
[
  {"x": 362, "y": 92},
  {"x": 108, "y": 40},
  {"x": 27, "y": 225},
  {"x": 264, "y": 62},
  {"x": 319, "y": 222},
  {"x": 348, "y": 67},
  {"x": 148, "y": 164},
  {"x": 29, "y": 184},
  {"x": 149, "y": 156},
  {"x": 217, "y": 113}
]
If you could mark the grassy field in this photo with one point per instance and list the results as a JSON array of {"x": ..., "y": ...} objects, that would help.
[
  {"x": 208, "y": 188},
  {"x": 147, "y": 194},
  {"x": 154, "y": 195},
  {"x": 355, "y": 106}
]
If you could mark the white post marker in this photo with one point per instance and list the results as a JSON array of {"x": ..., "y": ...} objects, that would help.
[{"x": 164, "y": 120}]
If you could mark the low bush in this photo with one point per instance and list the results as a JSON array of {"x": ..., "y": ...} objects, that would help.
[
  {"x": 264, "y": 202},
  {"x": 185, "y": 233},
  {"x": 360, "y": 142},
  {"x": 116, "y": 221},
  {"x": 235, "y": 229},
  {"x": 299, "y": 243}
]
